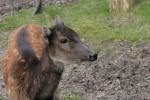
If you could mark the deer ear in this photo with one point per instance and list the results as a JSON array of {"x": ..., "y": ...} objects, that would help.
[
  {"x": 46, "y": 32},
  {"x": 59, "y": 21}
]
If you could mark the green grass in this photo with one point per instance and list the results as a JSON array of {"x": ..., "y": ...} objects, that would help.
[
  {"x": 3, "y": 39},
  {"x": 143, "y": 9},
  {"x": 91, "y": 18},
  {"x": 71, "y": 97}
]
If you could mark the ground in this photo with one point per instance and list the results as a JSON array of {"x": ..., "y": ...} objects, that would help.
[
  {"x": 3, "y": 94},
  {"x": 121, "y": 73}
]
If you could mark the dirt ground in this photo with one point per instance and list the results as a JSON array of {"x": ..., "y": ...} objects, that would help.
[{"x": 122, "y": 72}]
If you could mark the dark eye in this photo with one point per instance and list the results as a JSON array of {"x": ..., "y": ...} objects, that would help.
[{"x": 64, "y": 40}]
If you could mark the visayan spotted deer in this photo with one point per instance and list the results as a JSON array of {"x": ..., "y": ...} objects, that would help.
[{"x": 34, "y": 59}]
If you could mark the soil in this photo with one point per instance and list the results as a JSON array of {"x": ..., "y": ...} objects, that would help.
[
  {"x": 122, "y": 72},
  {"x": 3, "y": 95}
]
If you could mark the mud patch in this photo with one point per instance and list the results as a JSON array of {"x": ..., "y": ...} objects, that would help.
[
  {"x": 3, "y": 95},
  {"x": 121, "y": 72}
]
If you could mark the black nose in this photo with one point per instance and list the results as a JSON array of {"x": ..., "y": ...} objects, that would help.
[{"x": 93, "y": 57}]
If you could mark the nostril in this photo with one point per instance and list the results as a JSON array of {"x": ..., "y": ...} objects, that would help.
[{"x": 93, "y": 57}]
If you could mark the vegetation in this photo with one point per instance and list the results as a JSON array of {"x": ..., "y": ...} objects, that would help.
[{"x": 71, "y": 97}]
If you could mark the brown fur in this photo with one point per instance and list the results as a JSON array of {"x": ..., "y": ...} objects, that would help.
[
  {"x": 29, "y": 82},
  {"x": 34, "y": 60}
]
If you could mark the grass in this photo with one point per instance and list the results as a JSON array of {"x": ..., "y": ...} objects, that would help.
[
  {"x": 143, "y": 9},
  {"x": 71, "y": 97},
  {"x": 3, "y": 39},
  {"x": 90, "y": 18}
]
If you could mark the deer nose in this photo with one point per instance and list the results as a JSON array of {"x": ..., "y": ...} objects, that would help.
[{"x": 93, "y": 57}]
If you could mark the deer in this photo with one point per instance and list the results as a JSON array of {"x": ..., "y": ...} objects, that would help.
[{"x": 34, "y": 60}]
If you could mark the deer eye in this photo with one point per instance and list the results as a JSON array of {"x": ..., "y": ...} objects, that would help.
[{"x": 64, "y": 40}]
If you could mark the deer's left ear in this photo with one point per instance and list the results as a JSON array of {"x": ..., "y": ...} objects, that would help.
[{"x": 47, "y": 32}]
